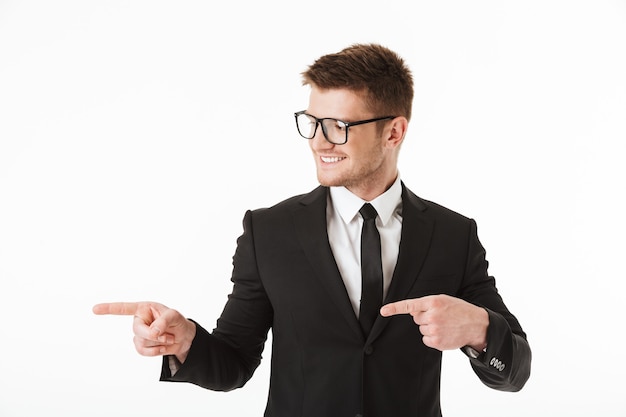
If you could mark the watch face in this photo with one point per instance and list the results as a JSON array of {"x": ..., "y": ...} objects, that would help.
[{"x": 471, "y": 352}]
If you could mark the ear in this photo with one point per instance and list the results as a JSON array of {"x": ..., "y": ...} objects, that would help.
[{"x": 396, "y": 132}]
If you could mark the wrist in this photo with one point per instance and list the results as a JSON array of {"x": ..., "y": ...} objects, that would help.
[
  {"x": 185, "y": 346},
  {"x": 474, "y": 353},
  {"x": 479, "y": 342}
]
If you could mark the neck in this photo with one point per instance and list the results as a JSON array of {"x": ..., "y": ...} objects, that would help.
[{"x": 370, "y": 191}]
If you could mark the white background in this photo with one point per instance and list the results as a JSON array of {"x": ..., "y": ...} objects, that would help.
[{"x": 135, "y": 134}]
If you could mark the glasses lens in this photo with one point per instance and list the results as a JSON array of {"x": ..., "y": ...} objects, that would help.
[
  {"x": 306, "y": 125},
  {"x": 335, "y": 131}
]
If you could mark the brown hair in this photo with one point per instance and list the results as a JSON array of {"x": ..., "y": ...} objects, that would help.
[{"x": 372, "y": 69}]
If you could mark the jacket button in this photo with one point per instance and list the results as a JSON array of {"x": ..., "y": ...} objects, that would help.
[
  {"x": 359, "y": 415},
  {"x": 369, "y": 350}
]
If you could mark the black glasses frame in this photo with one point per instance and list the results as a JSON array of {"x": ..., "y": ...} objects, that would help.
[{"x": 347, "y": 125}]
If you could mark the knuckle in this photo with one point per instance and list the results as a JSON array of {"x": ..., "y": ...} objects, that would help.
[
  {"x": 437, "y": 343},
  {"x": 437, "y": 301}
]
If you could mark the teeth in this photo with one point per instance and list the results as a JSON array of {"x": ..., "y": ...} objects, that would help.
[{"x": 329, "y": 159}]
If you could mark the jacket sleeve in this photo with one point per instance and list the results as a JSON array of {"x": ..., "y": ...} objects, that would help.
[
  {"x": 505, "y": 364},
  {"x": 227, "y": 358}
]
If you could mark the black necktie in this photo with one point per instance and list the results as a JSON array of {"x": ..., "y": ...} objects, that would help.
[{"x": 371, "y": 269}]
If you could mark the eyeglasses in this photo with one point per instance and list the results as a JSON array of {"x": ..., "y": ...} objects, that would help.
[{"x": 335, "y": 131}]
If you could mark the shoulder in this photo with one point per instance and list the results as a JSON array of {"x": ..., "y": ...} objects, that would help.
[
  {"x": 314, "y": 199},
  {"x": 317, "y": 195},
  {"x": 428, "y": 210},
  {"x": 440, "y": 210},
  {"x": 303, "y": 209},
  {"x": 409, "y": 198}
]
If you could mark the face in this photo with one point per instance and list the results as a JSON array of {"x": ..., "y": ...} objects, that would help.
[{"x": 367, "y": 163}]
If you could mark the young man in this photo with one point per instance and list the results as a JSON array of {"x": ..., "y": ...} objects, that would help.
[{"x": 361, "y": 298}]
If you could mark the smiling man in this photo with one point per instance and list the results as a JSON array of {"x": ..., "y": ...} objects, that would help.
[{"x": 362, "y": 283}]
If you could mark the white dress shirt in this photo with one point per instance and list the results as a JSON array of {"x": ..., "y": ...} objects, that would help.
[{"x": 344, "y": 224}]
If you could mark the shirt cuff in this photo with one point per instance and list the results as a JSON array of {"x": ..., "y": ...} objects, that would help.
[{"x": 174, "y": 364}]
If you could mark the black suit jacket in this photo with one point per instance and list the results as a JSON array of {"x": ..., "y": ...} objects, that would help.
[{"x": 286, "y": 279}]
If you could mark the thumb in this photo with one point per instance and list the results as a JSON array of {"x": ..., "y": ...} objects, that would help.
[{"x": 165, "y": 323}]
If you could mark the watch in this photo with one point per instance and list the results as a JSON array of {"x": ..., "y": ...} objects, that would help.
[{"x": 471, "y": 352}]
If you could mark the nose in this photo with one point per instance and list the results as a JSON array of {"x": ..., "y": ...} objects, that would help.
[{"x": 319, "y": 141}]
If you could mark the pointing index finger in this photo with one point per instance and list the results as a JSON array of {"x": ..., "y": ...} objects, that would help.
[
  {"x": 404, "y": 307},
  {"x": 118, "y": 309}
]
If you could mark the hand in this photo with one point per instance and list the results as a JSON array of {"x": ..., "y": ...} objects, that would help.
[
  {"x": 445, "y": 322},
  {"x": 158, "y": 330}
]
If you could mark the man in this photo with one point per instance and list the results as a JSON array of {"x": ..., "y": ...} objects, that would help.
[{"x": 359, "y": 313}]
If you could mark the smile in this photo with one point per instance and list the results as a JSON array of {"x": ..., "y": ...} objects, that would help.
[{"x": 331, "y": 159}]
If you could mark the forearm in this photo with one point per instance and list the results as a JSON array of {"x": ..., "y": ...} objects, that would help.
[
  {"x": 212, "y": 364},
  {"x": 505, "y": 364}
]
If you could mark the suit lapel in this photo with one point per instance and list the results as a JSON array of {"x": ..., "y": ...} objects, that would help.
[
  {"x": 311, "y": 229},
  {"x": 414, "y": 244}
]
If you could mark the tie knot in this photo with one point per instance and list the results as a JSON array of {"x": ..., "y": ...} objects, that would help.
[{"x": 368, "y": 211}]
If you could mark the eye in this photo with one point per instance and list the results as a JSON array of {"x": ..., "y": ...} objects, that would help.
[{"x": 339, "y": 126}]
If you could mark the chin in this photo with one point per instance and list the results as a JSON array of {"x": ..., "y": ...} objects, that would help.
[{"x": 330, "y": 182}]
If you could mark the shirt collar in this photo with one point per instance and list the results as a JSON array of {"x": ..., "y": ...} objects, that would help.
[{"x": 348, "y": 204}]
